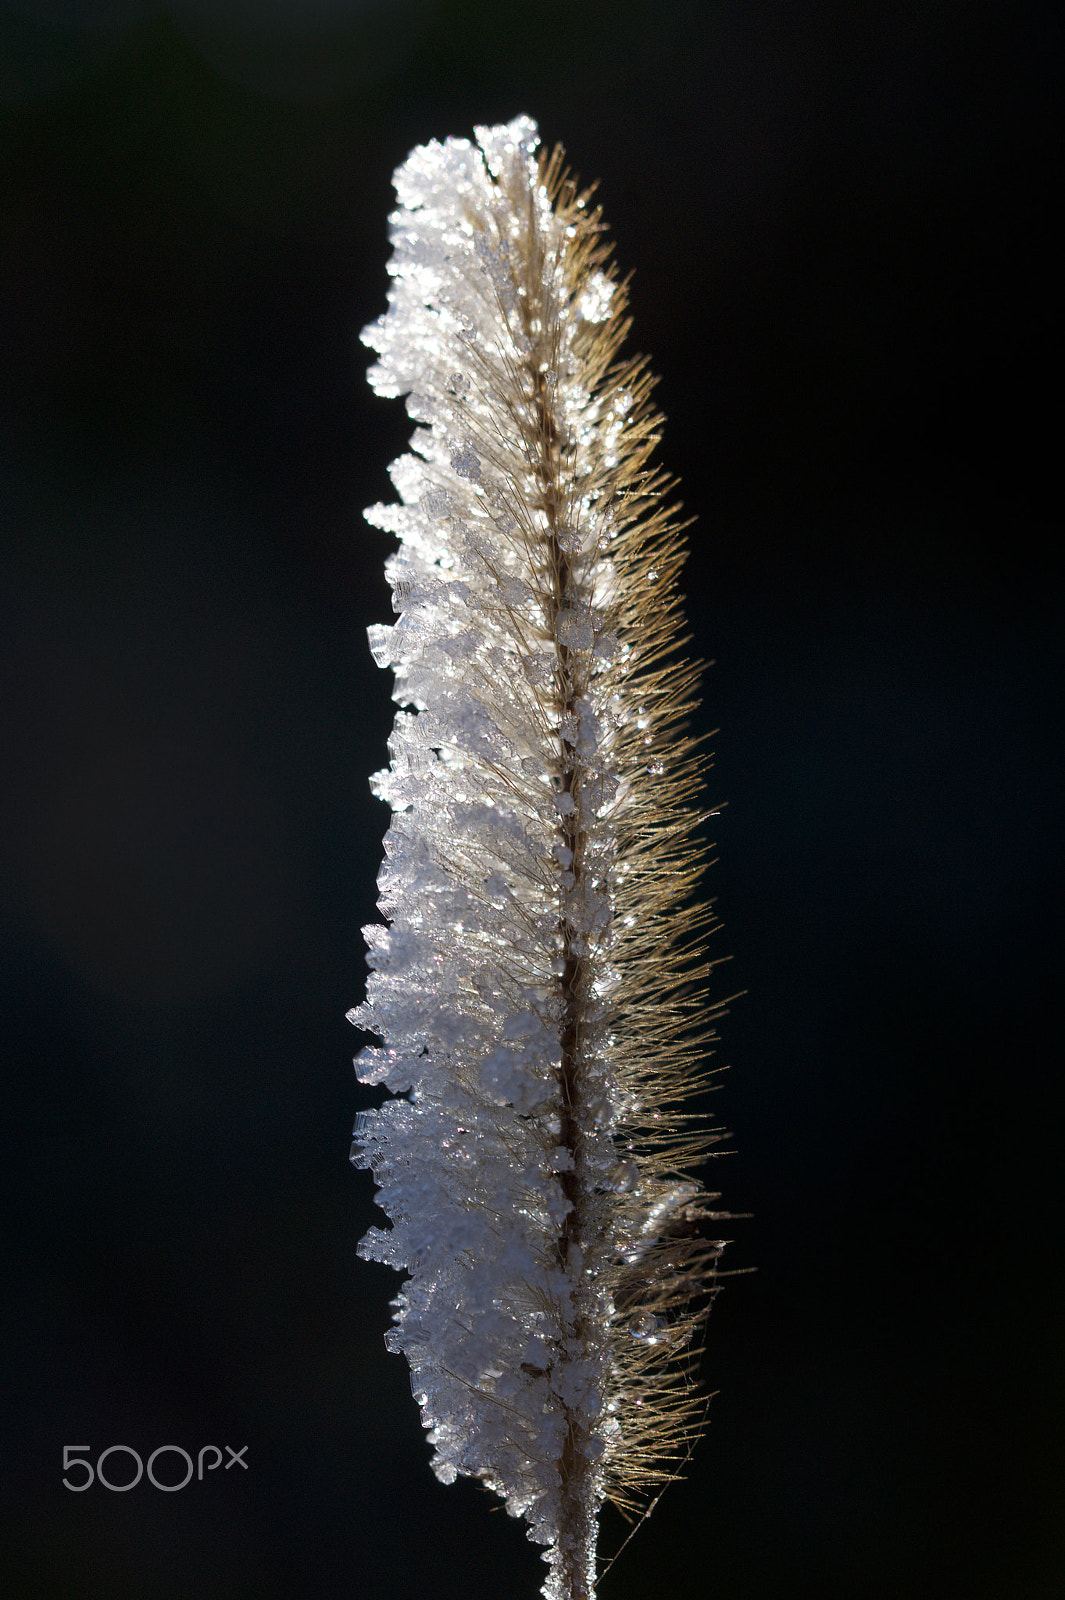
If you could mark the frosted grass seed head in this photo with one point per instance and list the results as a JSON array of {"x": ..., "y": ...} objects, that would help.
[{"x": 537, "y": 984}]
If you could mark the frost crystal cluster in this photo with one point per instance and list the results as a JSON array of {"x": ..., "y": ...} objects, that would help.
[{"x": 536, "y": 986}]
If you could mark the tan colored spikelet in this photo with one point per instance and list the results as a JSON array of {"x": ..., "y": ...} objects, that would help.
[{"x": 539, "y": 989}]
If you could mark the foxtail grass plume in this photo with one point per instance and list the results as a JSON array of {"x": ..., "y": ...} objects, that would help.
[{"x": 537, "y": 985}]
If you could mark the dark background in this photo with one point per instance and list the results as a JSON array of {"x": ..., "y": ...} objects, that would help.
[{"x": 838, "y": 218}]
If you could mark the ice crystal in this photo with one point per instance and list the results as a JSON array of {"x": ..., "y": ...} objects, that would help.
[{"x": 532, "y": 985}]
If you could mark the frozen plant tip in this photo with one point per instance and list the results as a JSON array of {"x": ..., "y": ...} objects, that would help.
[{"x": 537, "y": 986}]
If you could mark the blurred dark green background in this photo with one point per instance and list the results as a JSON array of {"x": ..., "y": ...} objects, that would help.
[{"x": 839, "y": 220}]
